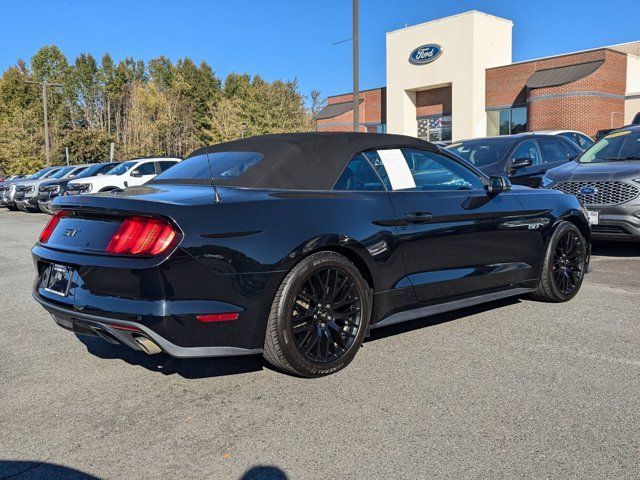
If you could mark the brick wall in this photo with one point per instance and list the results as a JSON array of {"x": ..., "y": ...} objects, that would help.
[
  {"x": 372, "y": 110},
  {"x": 505, "y": 86},
  {"x": 435, "y": 101}
]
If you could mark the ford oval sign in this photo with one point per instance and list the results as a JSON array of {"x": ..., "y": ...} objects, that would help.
[
  {"x": 588, "y": 190},
  {"x": 425, "y": 54}
]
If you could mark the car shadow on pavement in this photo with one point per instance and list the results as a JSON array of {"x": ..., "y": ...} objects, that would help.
[
  {"x": 400, "y": 328},
  {"x": 615, "y": 249},
  {"x": 264, "y": 472},
  {"x": 191, "y": 368},
  {"x": 23, "y": 470}
]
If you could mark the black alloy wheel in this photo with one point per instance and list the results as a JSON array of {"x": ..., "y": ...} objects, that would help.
[
  {"x": 326, "y": 315},
  {"x": 568, "y": 263},
  {"x": 564, "y": 265},
  {"x": 319, "y": 316}
]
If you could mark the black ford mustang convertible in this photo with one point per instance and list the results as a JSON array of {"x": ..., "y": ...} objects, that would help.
[{"x": 295, "y": 246}]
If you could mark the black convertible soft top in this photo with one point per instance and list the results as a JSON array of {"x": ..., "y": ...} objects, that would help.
[{"x": 305, "y": 161}]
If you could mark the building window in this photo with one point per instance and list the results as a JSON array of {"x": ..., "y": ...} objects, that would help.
[
  {"x": 435, "y": 128},
  {"x": 507, "y": 121},
  {"x": 376, "y": 128}
]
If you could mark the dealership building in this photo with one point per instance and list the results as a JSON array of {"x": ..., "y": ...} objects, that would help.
[{"x": 453, "y": 78}]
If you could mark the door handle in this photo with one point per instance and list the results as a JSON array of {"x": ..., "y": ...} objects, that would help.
[{"x": 417, "y": 217}]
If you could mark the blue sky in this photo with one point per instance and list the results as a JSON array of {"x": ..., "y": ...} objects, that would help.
[{"x": 287, "y": 38}]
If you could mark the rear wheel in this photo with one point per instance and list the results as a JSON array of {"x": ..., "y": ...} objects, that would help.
[
  {"x": 564, "y": 265},
  {"x": 319, "y": 316}
]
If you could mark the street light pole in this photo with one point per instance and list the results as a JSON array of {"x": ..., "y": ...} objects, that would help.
[
  {"x": 46, "y": 123},
  {"x": 356, "y": 92},
  {"x": 45, "y": 84}
]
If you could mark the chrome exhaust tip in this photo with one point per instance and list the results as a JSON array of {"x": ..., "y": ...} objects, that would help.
[{"x": 148, "y": 346}]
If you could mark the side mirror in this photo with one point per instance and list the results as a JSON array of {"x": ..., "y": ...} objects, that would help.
[
  {"x": 521, "y": 162},
  {"x": 136, "y": 173},
  {"x": 498, "y": 184}
]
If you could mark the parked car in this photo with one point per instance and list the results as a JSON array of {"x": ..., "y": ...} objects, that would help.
[
  {"x": 523, "y": 157},
  {"x": 5, "y": 186},
  {"x": 582, "y": 140},
  {"x": 26, "y": 196},
  {"x": 606, "y": 179},
  {"x": 296, "y": 245},
  {"x": 10, "y": 191},
  {"x": 601, "y": 133},
  {"x": 51, "y": 189},
  {"x": 127, "y": 174}
]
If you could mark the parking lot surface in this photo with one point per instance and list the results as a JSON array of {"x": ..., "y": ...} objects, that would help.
[{"x": 511, "y": 389}]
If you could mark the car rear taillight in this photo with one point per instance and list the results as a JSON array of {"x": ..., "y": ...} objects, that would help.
[
  {"x": 51, "y": 226},
  {"x": 142, "y": 236}
]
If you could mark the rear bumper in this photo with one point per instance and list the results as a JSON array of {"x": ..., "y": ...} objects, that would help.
[
  {"x": 162, "y": 298},
  {"x": 106, "y": 328}
]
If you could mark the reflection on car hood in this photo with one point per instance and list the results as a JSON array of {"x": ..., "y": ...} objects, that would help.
[
  {"x": 574, "y": 171},
  {"x": 93, "y": 179}
]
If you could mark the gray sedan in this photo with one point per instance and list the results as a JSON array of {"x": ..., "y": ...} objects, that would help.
[{"x": 606, "y": 179}]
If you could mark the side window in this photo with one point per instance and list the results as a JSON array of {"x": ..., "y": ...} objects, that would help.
[
  {"x": 413, "y": 169},
  {"x": 554, "y": 150},
  {"x": 165, "y": 165},
  {"x": 584, "y": 141},
  {"x": 359, "y": 176},
  {"x": 527, "y": 149},
  {"x": 148, "y": 168}
]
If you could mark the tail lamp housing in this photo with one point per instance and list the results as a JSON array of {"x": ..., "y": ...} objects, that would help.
[
  {"x": 142, "y": 236},
  {"x": 136, "y": 236},
  {"x": 51, "y": 226}
]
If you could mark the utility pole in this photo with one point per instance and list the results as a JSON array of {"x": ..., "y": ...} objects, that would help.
[
  {"x": 356, "y": 92},
  {"x": 45, "y": 84}
]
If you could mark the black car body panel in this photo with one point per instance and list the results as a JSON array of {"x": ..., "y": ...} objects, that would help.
[
  {"x": 232, "y": 255},
  {"x": 502, "y": 163}
]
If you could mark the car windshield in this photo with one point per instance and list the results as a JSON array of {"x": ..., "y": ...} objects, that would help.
[
  {"x": 39, "y": 174},
  {"x": 122, "y": 168},
  {"x": 482, "y": 152},
  {"x": 95, "y": 169},
  {"x": 615, "y": 147},
  {"x": 77, "y": 171},
  {"x": 62, "y": 172},
  {"x": 224, "y": 166}
]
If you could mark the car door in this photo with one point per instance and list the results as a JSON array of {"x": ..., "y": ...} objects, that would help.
[
  {"x": 456, "y": 239},
  {"x": 525, "y": 165},
  {"x": 142, "y": 173}
]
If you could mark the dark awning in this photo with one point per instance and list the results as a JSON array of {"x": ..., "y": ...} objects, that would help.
[
  {"x": 335, "y": 109},
  {"x": 562, "y": 75}
]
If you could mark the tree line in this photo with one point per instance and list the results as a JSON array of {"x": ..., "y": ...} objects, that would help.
[{"x": 159, "y": 108}]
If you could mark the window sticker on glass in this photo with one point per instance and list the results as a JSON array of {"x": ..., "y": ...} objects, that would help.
[
  {"x": 618, "y": 134},
  {"x": 397, "y": 169}
]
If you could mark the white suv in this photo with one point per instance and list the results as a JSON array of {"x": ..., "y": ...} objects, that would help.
[{"x": 126, "y": 174}]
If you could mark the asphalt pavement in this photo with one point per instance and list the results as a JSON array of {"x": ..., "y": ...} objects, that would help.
[{"x": 512, "y": 389}]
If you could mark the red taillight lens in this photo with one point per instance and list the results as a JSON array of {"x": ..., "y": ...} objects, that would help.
[
  {"x": 51, "y": 226},
  {"x": 142, "y": 236},
  {"x": 218, "y": 317}
]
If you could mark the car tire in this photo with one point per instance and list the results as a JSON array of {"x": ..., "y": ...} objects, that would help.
[
  {"x": 564, "y": 265},
  {"x": 13, "y": 208},
  {"x": 319, "y": 316}
]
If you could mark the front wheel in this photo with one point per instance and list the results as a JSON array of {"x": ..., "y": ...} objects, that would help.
[
  {"x": 565, "y": 264},
  {"x": 319, "y": 316}
]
